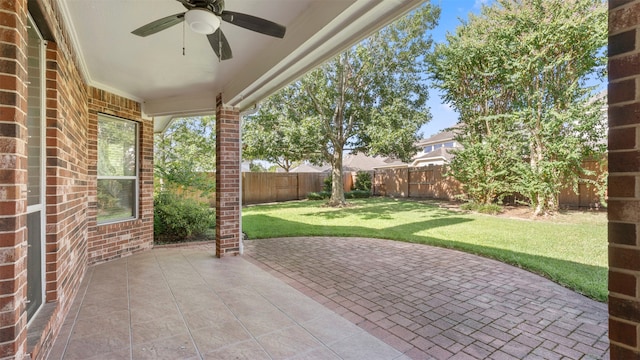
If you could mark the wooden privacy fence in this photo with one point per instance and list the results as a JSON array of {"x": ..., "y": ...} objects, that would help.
[
  {"x": 430, "y": 182},
  {"x": 266, "y": 187}
]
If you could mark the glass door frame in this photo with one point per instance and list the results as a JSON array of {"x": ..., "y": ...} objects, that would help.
[{"x": 41, "y": 206}]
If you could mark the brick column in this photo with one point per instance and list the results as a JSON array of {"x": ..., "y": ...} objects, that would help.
[
  {"x": 13, "y": 178},
  {"x": 227, "y": 179},
  {"x": 624, "y": 179}
]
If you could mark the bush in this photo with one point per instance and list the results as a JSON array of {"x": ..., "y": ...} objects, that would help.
[
  {"x": 328, "y": 184},
  {"x": 363, "y": 181},
  {"x": 492, "y": 209},
  {"x": 357, "y": 194},
  {"x": 178, "y": 218},
  {"x": 318, "y": 195}
]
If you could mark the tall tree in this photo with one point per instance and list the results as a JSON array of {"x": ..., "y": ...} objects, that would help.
[
  {"x": 371, "y": 98},
  {"x": 185, "y": 152},
  {"x": 278, "y": 134},
  {"x": 518, "y": 74}
]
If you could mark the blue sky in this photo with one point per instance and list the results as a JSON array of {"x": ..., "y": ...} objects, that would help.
[{"x": 451, "y": 13}]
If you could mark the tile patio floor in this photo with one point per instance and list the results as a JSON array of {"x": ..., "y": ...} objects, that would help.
[{"x": 299, "y": 298}]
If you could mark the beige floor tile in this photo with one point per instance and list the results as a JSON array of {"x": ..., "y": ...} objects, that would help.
[
  {"x": 208, "y": 317},
  {"x": 158, "y": 328},
  {"x": 331, "y": 328},
  {"x": 173, "y": 348},
  {"x": 261, "y": 322},
  {"x": 288, "y": 342},
  {"x": 86, "y": 347},
  {"x": 218, "y": 335},
  {"x": 246, "y": 350},
  {"x": 364, "y": 346}
]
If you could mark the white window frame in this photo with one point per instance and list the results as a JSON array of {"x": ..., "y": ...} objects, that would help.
[{"x": 136, "y": 177}]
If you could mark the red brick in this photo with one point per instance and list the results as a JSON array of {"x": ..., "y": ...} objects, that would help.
[
  {"x": 625, "y": 66},
  {"x": 624, "y": 258},
  {"x": 622, "y": 186},
  {"x": 622, "y": 91},
  {"x": 622, "y": 233},
  {"x": 622, "y": 43},
  {"x": 619, "y": 353},
  {"x": 624, "y": 161},
  {"x": 621, "y": 18},
  {"x": 622, "y": 283},
  {"x": 623, "y": 210},
  {"x": 623, "y": 333},
  {"x": 622, "y": 139},
  {"x": 624, "y": 308}
]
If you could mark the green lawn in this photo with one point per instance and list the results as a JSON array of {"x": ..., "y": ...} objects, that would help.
[{"x": 570, "y": 249}]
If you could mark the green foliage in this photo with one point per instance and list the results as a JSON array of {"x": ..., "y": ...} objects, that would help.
[
  {"x": 178, "y": 218},
  {"x": 357, "y": 194},
  {"x": 327, "y": 184},
  {"x": 363, "y": 181},
  {"x": 185, "y": 153},
  {"x": 518, "y": 74},
  {"x": 319, "y": 195},
  {"x": 370, "y": 98},
  {"x": 492, "y": 209},
  {"x": 256, "y": 167}
]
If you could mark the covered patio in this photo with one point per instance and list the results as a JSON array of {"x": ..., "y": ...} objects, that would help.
[
  {"x": 326, "y": 298},
  {"x": 68, "y": 66}
]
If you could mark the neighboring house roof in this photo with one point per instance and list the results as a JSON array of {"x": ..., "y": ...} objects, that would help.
[
  {"x": 443, "y": 136},
  {"x": 440, "y": 154},
  {"x": 308, "y": 168},
  {"x": 362, "y": 162},
  {"x": 354, "y": 163}
]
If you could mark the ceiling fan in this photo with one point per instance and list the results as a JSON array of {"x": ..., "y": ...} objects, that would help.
[{"x": 203, "y": 17}]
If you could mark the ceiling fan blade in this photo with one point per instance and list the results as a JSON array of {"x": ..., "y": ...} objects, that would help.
[
  {"x": 159, "y": 25},
  {"x": 220, "y": 45},
  {"x": 254, "y": 23}
]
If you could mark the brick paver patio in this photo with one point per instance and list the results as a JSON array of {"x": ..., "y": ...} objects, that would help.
[{"x": 433, "y": 303}]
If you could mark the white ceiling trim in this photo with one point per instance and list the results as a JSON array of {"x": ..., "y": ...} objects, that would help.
[{"x": 351, "y": 26}]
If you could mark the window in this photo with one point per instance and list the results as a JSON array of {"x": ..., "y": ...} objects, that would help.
[
  {"x": 437, "y": 146},
  {"x": 428, "y": 149},
  {"x": 448, "y": 144},
  {"x": 117, "y": 169}
]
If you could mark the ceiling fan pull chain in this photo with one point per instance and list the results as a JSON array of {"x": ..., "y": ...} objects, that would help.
[{"x": 183, "y": 38}]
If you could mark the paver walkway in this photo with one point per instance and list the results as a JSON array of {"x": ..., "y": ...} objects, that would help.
[{"x": 434, "y": 303}]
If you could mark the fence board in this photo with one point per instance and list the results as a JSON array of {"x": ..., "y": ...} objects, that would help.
[{"x": 430, "y": 182}]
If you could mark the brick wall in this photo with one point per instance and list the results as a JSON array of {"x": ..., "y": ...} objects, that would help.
[
  {"x": 624, "y": 176},
  {"x": 13, "y": 165},
  {"x": 227, "y": 179},
  {"x": 73, "y": 239},
  {"x": 110, "y": 241}
]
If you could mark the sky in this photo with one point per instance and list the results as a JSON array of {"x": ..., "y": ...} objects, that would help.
[{"x": 442, "y": 116}]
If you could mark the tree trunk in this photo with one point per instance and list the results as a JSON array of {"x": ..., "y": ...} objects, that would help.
[{"x": 337, "y": 187}]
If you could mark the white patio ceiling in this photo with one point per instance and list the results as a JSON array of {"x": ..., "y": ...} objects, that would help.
[{"x": 154, "y": 71}]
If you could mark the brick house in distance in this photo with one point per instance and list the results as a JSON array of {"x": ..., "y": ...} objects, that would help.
[{"x": 80, "y": 99}]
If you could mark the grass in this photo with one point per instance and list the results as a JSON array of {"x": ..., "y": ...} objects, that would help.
[{"x": 570, "y": 249}]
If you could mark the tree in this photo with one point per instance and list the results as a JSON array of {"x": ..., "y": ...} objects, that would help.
[
  {"x": 518, "y": 76},
  {"x": 371, "y": 98},
  {"x": 277, "y": 135},
  {"x": 185, "y": 152}
]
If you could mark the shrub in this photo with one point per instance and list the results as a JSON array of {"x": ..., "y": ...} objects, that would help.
[
  {"x": 491, "y": 209},
  {"x": 318, "y": 195},
  {"x": 363, "y": 181},
  {"x": 179, "y": 218},
  {"x": 357, "y": 194},
  {"x": 328, "y": 184}
]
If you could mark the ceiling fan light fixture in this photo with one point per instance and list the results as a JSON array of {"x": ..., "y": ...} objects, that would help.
[{"x": 202, "y": 21}]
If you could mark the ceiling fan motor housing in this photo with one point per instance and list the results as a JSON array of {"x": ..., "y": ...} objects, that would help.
[{"x": 202, "y": 21}]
